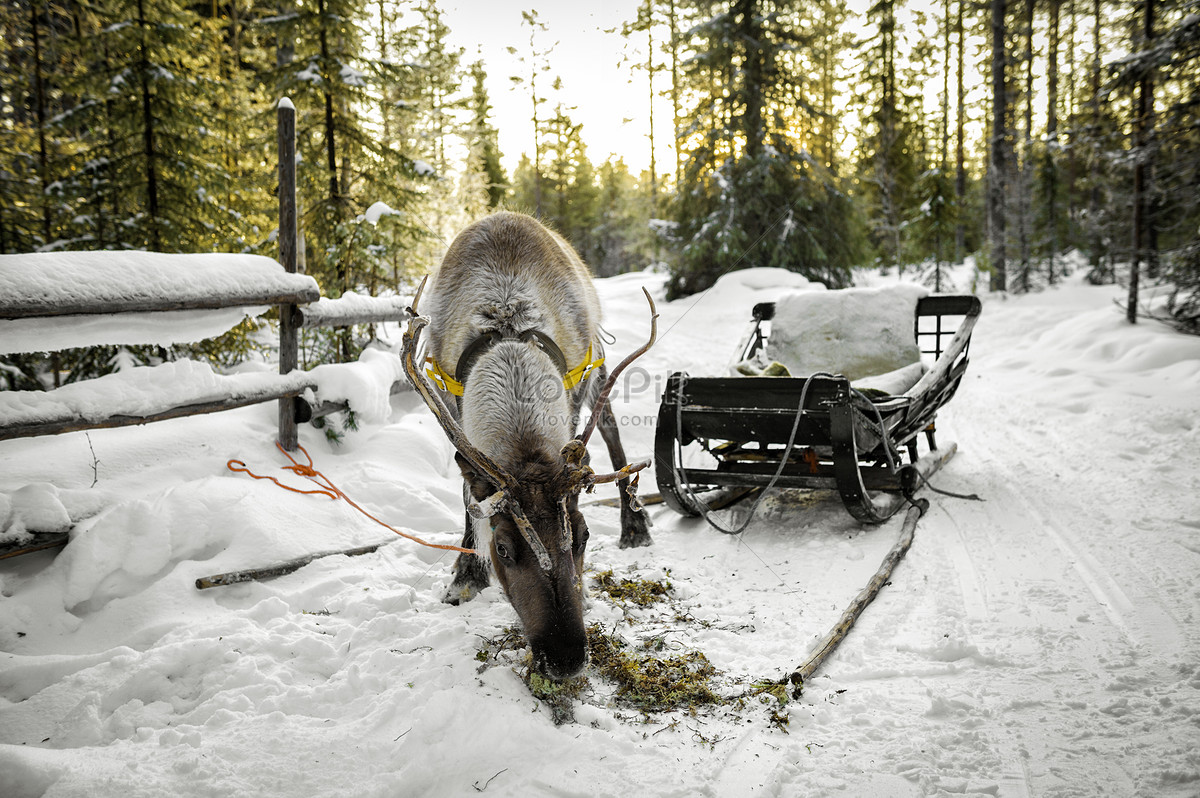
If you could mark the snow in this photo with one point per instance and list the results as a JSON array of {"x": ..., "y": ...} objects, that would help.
[
  {"x": 141, "y": 391},
  {"x": 118, "y": 279},
  {"x": 1043, "y": 642},
  {"x": 352, "y": 307},
  {"x": 377, "y": 211},
  {"x": 160, "y": 329},
  {"x": 51, "y": 279},
  {"x": 352, "y": 77},
  {"x": 147, "y": 390}
]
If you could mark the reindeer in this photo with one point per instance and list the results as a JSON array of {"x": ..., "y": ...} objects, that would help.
[{"x": 516, "y": 316}]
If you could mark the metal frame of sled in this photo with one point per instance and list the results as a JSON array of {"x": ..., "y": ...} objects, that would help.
[{"x": 866, "y": 450}]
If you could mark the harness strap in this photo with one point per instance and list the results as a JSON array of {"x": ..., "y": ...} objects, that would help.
[{"x": 454, "y": 384}]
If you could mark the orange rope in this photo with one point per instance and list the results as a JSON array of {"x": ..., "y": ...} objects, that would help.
[{"x": 327, "y": 488}]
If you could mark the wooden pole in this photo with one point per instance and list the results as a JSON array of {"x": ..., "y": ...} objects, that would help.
[
  {"x": 289, "y": 315},
  {"x": 830, "y": 642},
  {"x": 284, "y": 568}
]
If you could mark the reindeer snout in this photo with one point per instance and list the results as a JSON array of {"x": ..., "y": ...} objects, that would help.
[{"x": 561, "y": 656}]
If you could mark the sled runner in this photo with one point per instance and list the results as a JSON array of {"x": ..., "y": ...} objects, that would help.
[{"x": 851, "y": 431}]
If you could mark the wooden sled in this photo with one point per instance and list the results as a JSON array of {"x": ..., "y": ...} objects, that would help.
[{"x": 865, "y": 448}]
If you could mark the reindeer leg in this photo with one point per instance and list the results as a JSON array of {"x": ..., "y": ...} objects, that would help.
[
  {"x": 470, "y": 571},
  {"x": 635, "y": 524}
]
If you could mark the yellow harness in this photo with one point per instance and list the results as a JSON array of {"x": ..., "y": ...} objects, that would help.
[{"x": 570, "y": 379}]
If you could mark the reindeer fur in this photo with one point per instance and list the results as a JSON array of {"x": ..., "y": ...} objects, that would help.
[{"x": 510, "y": 274}]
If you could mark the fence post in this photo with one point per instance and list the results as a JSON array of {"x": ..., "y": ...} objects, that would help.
[{"x": 289, "y": 321}]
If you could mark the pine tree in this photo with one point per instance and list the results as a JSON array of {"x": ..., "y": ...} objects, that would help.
[
  {"x": 1165, "y": 149},
  {"x": 749, "y": 195},
  {"x": 483, "y": 140},
  {"x": 346, "y": 164},
  {"x": 891, "y": 151}
]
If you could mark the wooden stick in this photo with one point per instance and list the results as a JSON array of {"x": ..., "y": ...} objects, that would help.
[
  {"x": 719, "y": 500},
  {"x": 41, "y": 541},
  {"x": 379, "y": 309},
  {"x": 284, "y": 568},
  {"x": 830, "y": 642}
]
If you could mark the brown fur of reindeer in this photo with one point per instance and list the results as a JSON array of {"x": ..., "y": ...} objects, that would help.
[{"x": 514, "y": 313}]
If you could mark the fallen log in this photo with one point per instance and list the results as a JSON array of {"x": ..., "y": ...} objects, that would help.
[
  {"x": 830, "y": 642},
  {"x": 283, "y": 568}
]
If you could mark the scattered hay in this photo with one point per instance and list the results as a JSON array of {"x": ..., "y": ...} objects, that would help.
[
  {"x": 559, "y": 697},
  {"x": 642, "y": 592},
  {"x": 641, "y": 676},
  {"x": 650, "y": 683}
]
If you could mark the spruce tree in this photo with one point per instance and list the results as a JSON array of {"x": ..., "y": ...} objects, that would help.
[
  {"x": 483, "y": 140},
  {"x": 749, "y": 195}
]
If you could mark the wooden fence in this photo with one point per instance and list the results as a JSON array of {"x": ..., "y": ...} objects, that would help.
[{"x": 31, "y": 413}]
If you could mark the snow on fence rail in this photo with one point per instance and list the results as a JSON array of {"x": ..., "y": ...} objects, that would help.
[{"x": 50, "y": 284}]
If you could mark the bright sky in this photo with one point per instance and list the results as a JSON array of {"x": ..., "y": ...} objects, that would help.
[
  {"x": 600, "y": 79},
  {"x": 610, "y": 98}
]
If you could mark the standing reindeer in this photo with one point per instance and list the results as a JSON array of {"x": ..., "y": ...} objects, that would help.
[{"x": 514, "y": 348}]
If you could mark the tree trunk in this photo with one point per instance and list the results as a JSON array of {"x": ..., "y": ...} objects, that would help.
[
  {"x": 1051, "y": 175},
  {"x": 1024, "y": 165},
  {"x": 40, "y": 99},
  {"x": 997, "y": 174},
  {"x": 960, "y": 169},
  {"x": 1144, "y": 239},
  {"x": 675, "y": 103},
  {"x": 650, "y": 88},
  {"x": 148, "y": 142},
  {"x": 1096, "y": 234}
]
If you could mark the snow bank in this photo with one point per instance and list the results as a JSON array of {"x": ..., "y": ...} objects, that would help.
[
  {"x": 762, "y": 278},
  {"x": 365, "y": 385}
]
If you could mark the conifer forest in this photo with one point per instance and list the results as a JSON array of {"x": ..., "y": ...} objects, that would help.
[{"x": 818, "y": 137}]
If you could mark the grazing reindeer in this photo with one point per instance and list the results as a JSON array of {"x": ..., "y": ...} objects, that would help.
[{"x": 513, "y": 312}]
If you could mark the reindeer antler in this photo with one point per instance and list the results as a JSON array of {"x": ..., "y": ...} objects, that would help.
[
  {"x": 503, "y": 498},
  {"x": 453, "y": 431},
  {"x": 612, "y": 377}
]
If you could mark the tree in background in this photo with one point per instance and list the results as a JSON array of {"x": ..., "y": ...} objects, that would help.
[
  {"x": 998, "y": 150},
  {"x": 749, "y": 194},
  {"x": 1165, "y": 150},
  {"x": 31, "y": 156},
  {"x": 889, "y": 168},
  {"x": 346, "y": 165},
  {"x": 483, "y": 140},
  {"x": 535, "y": 62}
]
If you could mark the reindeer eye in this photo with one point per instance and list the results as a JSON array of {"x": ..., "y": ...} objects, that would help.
[{"x": 503, "y": 553}]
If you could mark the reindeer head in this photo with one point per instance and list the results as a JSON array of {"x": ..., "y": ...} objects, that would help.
[{"x": 528, "y": 520}]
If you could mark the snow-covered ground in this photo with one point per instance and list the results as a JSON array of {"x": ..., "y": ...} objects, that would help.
[{"x": 1043, "y": 642}]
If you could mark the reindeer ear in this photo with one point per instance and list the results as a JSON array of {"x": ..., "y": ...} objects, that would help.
[{"x": 481, "y": 488}]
